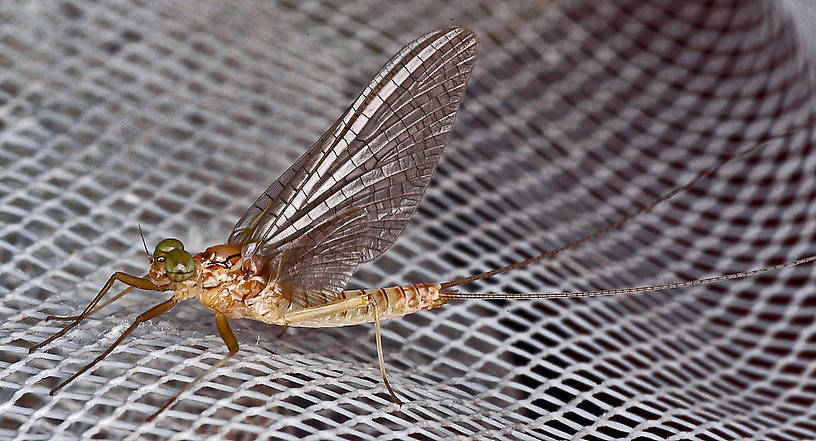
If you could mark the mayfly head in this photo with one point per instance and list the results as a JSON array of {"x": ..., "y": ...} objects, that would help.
[{"x": 170, "y": 260}]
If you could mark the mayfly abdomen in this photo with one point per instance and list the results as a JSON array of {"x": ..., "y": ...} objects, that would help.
[{"x": 357, "y": 306}]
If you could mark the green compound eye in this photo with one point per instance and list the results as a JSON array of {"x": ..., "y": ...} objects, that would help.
[
  {"x": 179, "y": 265},
  {"x": 164, "y": 247}
]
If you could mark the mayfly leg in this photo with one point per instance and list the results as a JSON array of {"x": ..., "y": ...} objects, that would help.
[
  {"x": 65, "y": 318},
  {"x": 232, "y": 345},
  {"x": 373, "y": 303},
  {"x": 368, "y": 301},
  {"x": 131, "y": 281},
  {"x": 155, "y": 311}
]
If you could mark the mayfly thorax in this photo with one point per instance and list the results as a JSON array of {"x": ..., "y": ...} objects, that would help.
[{"x": 344, "y": 202}]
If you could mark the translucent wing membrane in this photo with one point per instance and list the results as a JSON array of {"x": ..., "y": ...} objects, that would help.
[
  {"x": 319, "y": 264},
  {"x": 378, "y": 157}
]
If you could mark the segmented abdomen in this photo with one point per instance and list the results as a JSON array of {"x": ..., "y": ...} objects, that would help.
[{"x": 392, "y": 302}]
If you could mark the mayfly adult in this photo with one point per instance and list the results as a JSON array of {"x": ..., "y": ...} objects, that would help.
[{"x": 343, "y": 202}]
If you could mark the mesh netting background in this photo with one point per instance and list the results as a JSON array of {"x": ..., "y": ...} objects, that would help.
[{"x": 175, "y": 115}]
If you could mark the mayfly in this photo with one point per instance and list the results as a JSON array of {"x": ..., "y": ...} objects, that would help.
[{"x": 345, "y": 201}]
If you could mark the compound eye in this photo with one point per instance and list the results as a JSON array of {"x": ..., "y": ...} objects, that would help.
[
  {"x": 179, "y": 265},
  {"x": 164, "y": 247}
]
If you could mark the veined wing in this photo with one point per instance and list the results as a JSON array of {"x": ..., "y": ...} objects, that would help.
[
  {"x": 314, "y": 268},
  {"x": 378, "y": 157}
]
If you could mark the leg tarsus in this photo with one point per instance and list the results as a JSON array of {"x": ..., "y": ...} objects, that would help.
[
  {"x": 232, "y": 346},
  {"x": 131, "y": 281},
  {"x": 93, "y": 311},
  {"x": 161, "y": 308},
  {"x": 373, "y": 304}
]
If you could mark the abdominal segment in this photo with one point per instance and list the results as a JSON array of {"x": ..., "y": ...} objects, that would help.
[{"x": 356, "y": 306}]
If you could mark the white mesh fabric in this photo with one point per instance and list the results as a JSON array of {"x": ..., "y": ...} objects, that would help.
[{"x": 175, "y": 115}]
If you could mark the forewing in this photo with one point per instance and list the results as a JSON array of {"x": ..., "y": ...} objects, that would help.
[
  {"x": 316, "y": 267},
  {"x": 379, "y": 156}
]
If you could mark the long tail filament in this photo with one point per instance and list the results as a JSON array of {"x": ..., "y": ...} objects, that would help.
[{"x": 666, "y": 196}]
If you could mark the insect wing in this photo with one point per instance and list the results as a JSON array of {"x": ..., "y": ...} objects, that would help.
[
  {"x": 318, "y": 264},
  {"x": 379, "y": 156}
]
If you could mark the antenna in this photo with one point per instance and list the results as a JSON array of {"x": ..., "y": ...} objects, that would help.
[{"x": 149, "y": 257}]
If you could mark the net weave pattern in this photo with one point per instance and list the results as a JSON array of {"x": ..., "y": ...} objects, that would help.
[{"x": 175, "y": 115}]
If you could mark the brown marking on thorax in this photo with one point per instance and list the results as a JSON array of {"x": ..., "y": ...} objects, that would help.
[{"x": 223, "y": 281}]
